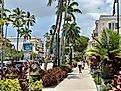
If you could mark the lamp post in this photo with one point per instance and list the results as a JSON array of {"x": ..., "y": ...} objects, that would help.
[{"x": 70, "y": 54}]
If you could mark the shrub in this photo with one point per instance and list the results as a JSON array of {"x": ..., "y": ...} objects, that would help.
[
  {"x": 97, "y": 80},
  {"x": 106, "y": 87},
  {"x": 10, "y": 85},
  {"x": 66, "y": 68},
  {"x": 106, "y": 72},
  {"x": 53, "y": 76},
  {"x": 36, "y": 86}
]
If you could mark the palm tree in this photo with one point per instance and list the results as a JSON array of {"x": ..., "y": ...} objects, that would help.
[
  {"x": 69, "y": 16},
  {"x": 26, "y": 33},
  {"x": 18, "y": 21},
  {"x": 71, "y": 32},
  {"x": 58, "y": 23},
  {"x": 70, "y": 9}
]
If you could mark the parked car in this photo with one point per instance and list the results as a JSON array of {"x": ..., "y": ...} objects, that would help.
[{"x": 20, "y": 63}]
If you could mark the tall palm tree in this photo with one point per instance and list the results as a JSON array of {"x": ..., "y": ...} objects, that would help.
[
  {"x": 18, "y": 21},
  {"x": 69, "y": 16},
  {"x": 58, "y": 23}
]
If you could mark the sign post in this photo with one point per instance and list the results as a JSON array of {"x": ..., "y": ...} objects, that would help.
[{"x": 27, "y": 47}]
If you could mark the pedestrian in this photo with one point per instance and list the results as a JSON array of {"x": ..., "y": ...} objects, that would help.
[
  {"x": 83, "y": 64},
  {"x": 80, "y": 66}
]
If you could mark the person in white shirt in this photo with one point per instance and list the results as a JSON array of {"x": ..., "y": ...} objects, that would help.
[{"x": 80, "y": 66}]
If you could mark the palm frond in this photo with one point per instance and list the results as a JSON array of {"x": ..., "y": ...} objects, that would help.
[
  {"x": 50, "y": 2},
  {"x": 77, "y": 11},
  {"x": 74, "y": 4}
]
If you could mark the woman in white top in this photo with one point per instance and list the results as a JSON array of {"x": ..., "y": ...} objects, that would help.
[{"x": 80, "y": 66}]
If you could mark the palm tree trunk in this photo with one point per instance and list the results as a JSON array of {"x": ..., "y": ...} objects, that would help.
[
  {"x": 17, "y": 38},
  {"x": 55, "y": 29},
  {"x": 63, "y": 36},
  {"x": 58, "y": 31}
]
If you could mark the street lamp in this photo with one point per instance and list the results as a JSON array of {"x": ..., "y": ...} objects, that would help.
[{"x": 70, "y": 55}]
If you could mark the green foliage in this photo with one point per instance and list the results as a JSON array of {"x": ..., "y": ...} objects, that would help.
[
  {"x": 66, "y": 67},
  {"x": 10, "y": 85},
  {"x": 97, "y": 79},
  {"x": 66, "y": 50},
  {"x": 36, "y": 86},
  {"x": 81, "y": 43},
  {"x": 71, "y": 8},
  {"x": 25, "y": 32},
  {"x": 106, "y": 87},
  {"x": 13, "y": 54},
  {"x": 107, "y": 42},
  {"x": 106, "y": 72},
  {"x": 71, "y": 32}
]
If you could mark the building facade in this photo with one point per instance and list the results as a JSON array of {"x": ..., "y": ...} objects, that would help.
[
  {"x": 105, "y": 22},
  {"x": 37, "y": 44}
]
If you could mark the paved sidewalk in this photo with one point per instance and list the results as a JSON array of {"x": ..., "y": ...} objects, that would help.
[{"x": 76, "y": 82}]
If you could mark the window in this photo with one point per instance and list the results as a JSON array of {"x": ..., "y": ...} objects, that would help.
[{"x": 112, "y": 26}]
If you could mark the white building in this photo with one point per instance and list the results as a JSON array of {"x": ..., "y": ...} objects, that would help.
[
  {"x": 106, "y": 22},
  {"x": 14, "y": 42},
  {"x": 37, "y": 44}
]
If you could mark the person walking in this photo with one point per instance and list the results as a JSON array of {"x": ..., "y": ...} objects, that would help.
[{"x": 80, "y": 66}]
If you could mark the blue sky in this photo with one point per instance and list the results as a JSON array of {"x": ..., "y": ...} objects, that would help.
[{"x": 45, "y": 16}]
